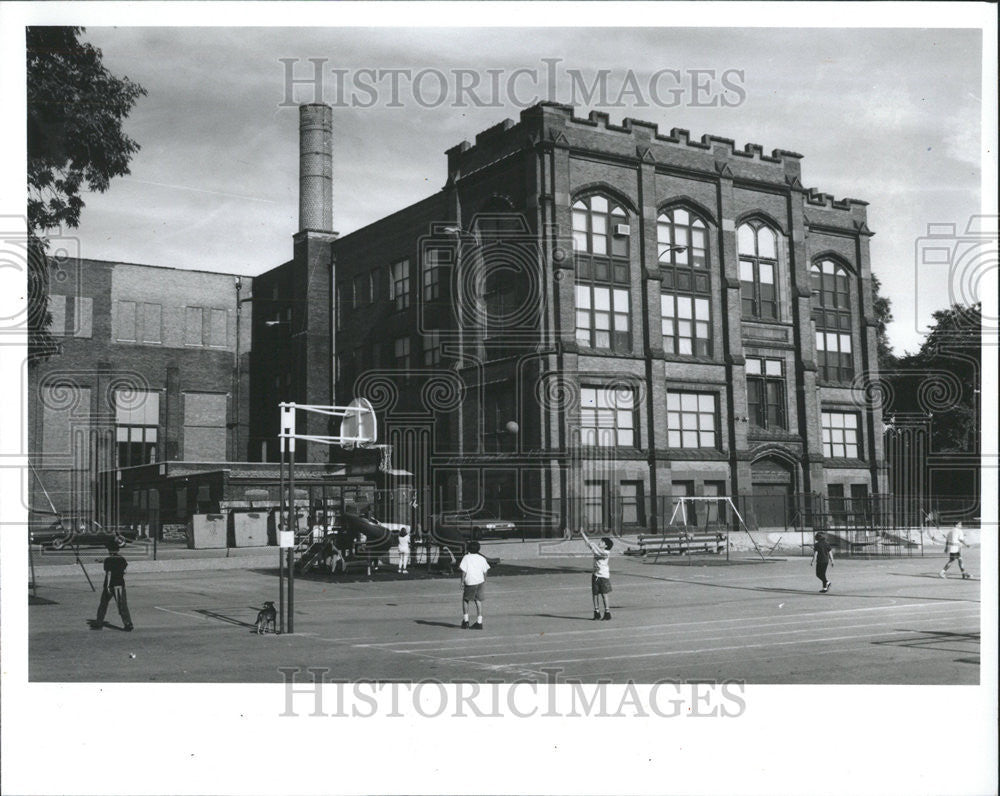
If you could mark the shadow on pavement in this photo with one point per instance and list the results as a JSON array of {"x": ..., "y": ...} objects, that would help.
[
  {"x": 938, "y": 640},
  {"x": 33, "y": 600},
  {"x": 453, "y": 625},
  {"x": 223, "y": 618}
]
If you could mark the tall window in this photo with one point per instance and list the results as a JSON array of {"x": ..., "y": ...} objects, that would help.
[
  {"x": 137, "y": 420},
  {"x": 595, "y": 504},
  {"x": 601, "y": 240},
  {"x": 602, "y": 317},
  {"x": 597, "y": 227},
  {"x": 685, "y": 325},
  {"x": 401, "y": 350},
  {"x": 373, "y": 284},
  {"x": 434, "y": 263},
  {"x": 766, "y": 392},
  {"x": 682, "y": 244},
  {"x": 685, "y": 319},
  {"x": 691, "y": 420},
  {"x": 432, "y": 347},
  {"x": 500, "y": 300},
  {"x": 832, "y": 315},
  {"x": 840, "y": 435},
  {"x": 758, "y": 250},
  {"x": 607, "y": 417},
  {"x": 361, "y": 290},
  {"x": 401, "y": 284},
  {"x": 339, "y": 309},
  {"x": 632, "y": 503}
]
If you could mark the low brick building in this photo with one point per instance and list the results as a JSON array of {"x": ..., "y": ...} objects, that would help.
[{"x": 151, "y": 366}]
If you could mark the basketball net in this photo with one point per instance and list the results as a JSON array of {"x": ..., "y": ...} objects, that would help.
[{"x": 385, "y": 464}]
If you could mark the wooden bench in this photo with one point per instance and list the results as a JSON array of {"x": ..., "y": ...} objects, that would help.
[{"x": 681, "y": 543}]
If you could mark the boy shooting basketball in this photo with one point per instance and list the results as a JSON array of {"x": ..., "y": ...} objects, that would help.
[{"x": 600, "y": 581}]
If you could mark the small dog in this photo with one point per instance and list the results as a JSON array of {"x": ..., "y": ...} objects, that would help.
[{"x": 266, "y": 617}]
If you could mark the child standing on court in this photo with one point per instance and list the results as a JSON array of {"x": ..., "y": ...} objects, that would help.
[
  {"x": 473, "y": 567},
  {"x": 600, "y": 581},
  {"x": 404, "y": 550},
  {"x": 114, "y": 588},
  {"x": 821, "y": 559},
  {"x": 953, "y": 545}
]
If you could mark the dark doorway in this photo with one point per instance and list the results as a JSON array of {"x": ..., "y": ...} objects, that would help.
[{"x": 772, "y": 484}]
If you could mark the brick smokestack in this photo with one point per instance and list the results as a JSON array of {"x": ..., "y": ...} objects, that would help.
[{"x": 315, "y": 168}]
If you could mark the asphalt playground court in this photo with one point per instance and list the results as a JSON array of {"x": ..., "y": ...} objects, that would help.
[{"x": 884, "y": 621}]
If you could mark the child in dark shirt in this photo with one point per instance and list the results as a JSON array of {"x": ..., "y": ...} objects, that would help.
[
  {"x": 114, "y": 587},
  {"x": 822, "y": 558}
]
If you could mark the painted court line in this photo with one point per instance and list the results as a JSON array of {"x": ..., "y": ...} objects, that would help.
[
  {"x": 665, "y": 653},
  {"x": 659, "y": 640},
  {"x": 753, "y": 633},
  {"x": 647, "y": 628},
  {"x": 599, "y": 640}
]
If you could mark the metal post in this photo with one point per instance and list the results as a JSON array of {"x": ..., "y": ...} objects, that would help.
[
  {"x": 281, "y": 525},
  {"x": 31, "y": 562},
  {"x": 294, "y": 526}
]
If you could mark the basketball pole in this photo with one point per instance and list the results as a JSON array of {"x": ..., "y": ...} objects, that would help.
[
  {"x": 294, "y": 524},
  {"x": 281, "y": 527}
]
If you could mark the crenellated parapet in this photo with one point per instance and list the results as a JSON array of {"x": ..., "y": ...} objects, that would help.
[{"x": 638, "y": 141}]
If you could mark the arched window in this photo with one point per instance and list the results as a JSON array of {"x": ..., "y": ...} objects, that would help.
[
  {"x": 601, "y": 242},
  {"x": 831, "y": 300},
  {"x": 597, "y": 223},
  {"x": 685, "y": 309},
  {"x": 758, "y": 250}
]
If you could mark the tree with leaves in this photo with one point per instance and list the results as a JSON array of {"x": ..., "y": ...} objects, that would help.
[
  {"x": 882, "y": 307},
  {"x": 943, "y": 379},
  {"x": 76, "y": 142}
]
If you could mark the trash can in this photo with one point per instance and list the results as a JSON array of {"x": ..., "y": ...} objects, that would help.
[
  {"x": 207, "y": 531},
  {"x": 250, "y": 529}
]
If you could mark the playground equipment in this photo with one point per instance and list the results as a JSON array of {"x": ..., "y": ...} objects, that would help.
[{"x": 712, "y": 538}]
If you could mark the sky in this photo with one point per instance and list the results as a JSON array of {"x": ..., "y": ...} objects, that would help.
[{"x": 888, "y": 116}]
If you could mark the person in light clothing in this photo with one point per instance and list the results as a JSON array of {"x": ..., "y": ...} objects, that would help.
[
  {"x": 404, "y": 550},
  {"x": 953, "y": 545},
  {"x": 600, "y": 581},
  {"x": 473, "y": 567}
]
